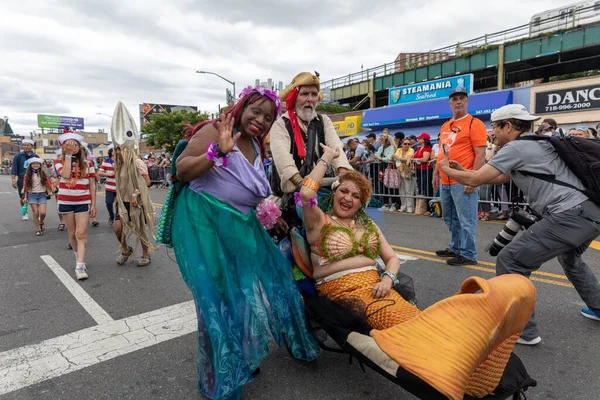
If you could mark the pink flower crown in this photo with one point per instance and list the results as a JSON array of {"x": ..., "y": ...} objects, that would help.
[{"x": 265, "y": 92}]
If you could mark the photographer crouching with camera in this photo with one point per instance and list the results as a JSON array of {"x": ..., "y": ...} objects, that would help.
[{"x": 569, "y": 222}]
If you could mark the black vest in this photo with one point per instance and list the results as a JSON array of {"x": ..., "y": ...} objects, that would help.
[{"x": 312, "y": 138}]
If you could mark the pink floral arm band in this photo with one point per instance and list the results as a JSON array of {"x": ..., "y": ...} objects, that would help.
[
  {"x": 213, "y": 153},
  {"x": 299, "y": 203}
]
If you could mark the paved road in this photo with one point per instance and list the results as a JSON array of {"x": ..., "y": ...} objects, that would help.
[{"x": 128, "y": 332}]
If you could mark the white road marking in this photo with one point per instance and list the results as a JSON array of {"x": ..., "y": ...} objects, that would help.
[
  {"x": 404, "y": 258},
  {"x": 32, "y": 364},
  {"x": 86, "y": 301}
]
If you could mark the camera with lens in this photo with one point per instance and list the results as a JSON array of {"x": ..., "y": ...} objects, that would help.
[{"x": 519, "y": 219}]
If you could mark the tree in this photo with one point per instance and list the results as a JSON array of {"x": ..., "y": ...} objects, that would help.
[
  {"x": 166, "y": 129},
  {"x": 333, "y": 108}
]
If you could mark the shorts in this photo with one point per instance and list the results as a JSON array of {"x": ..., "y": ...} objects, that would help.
[
  {"x": 37, "y": 198},
  {"x": 73, "y": 208},
  {"x": 127, "y": 207}
]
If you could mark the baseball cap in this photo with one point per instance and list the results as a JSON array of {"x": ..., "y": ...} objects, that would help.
[
  {"x": 459, "y": 90},
  {"x": 413, "y": 137},
  {"x": 516, "y": 111},
  {"x": 424, "y": 135}
]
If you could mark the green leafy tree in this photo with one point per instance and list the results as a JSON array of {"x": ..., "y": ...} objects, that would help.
[
  {"x": 166, "y": 129},
  {"x": 333, "y": 108}
]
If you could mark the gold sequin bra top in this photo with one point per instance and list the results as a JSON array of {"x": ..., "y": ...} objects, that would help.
[{"x": 339, "y": 242}]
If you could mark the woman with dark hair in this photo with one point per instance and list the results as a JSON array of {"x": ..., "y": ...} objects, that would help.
[
  {"x": 424, "y": 169},
  {"x": 241, "y": 282},
  {"x": 37, "y": 187}
]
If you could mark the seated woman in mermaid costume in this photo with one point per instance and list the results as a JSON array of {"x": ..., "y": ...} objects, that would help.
[{"x": 460, "y": 345}]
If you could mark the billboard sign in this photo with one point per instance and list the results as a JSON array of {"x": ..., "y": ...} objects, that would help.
[
  {"x": 59, "y": 122},
  {"x": 430, "y": 90},
  {"x": 147, "y": 109},
  {"x": 582, "y": 98}
]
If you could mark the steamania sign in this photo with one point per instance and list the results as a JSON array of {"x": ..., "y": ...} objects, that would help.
[{"x": 582, "y": 98}]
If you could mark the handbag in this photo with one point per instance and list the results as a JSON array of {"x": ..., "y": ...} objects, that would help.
[
  {"x": 421, "y": 206},
  {"x": 391, "y": 178}
]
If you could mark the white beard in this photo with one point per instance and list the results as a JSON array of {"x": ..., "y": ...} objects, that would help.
[{"x": 306, "y": 114}]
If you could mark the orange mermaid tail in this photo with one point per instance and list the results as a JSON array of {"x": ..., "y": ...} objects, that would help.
[{"x": 462, "y": 344}]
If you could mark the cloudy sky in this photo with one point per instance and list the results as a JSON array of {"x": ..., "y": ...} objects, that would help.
[{"x": 79, "y": 57}]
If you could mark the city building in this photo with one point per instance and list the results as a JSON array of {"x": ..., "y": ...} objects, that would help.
[
  {"x": 407, "y": 61},
  {"x": 47, "y": 142}
]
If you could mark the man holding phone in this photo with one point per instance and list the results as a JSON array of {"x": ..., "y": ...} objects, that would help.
[{"x": 462, "y": 138}]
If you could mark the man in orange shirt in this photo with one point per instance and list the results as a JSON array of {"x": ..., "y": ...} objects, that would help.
[{"x": 464, "y": 138}]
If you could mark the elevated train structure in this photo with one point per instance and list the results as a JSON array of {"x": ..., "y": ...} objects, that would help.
[{"x": 556, "y": 42}]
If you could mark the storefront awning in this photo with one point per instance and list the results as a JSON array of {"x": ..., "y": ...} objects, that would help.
[{"x": 479, "y": 105}]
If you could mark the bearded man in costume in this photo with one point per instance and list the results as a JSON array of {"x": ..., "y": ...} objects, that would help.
[
  {"x": 295, "y": 138},
  {"x": 135, "y": 212}
]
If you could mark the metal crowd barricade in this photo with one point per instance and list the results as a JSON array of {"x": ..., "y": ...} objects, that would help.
[
  {"x": 159, "y": 176},
  {"x": 492, "y": 198}
]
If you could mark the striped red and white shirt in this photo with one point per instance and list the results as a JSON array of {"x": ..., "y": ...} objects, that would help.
[
  {"x": 110, "y": 185},
  {"x": 79, "y": 193}
]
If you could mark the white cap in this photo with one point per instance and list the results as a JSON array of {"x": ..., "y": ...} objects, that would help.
[
  {"x": 64, "y": 137},
  {"x": 29, "y": 141},
  {"x": 35, "y": 159},
  {"x": 516, "y": 111}
]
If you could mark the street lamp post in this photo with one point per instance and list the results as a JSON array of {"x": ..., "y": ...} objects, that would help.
[{"x": 225, "y": 79}]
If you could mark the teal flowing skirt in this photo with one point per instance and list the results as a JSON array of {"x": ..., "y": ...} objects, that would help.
[{"x": 243, "y": 289}]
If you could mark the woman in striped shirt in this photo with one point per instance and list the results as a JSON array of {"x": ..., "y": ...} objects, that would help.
[{"x": 76, "y": 196}]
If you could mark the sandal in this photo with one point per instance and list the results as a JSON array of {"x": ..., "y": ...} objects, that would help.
[
  {"x": 123, "y": 257},
  {"x": 42, "y": 227},
  {"x": 95, "y": 223},
  {"x": 144, "y": 261},
  {"x": 61, "y": 227},
  {"x": 38, "y": 233}
]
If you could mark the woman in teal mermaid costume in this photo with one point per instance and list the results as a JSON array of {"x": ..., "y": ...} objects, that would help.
[{"x": 241, "y": 282}]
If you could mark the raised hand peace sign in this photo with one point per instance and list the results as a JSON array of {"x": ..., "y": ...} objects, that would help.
[{"x": 226, "y": 138}]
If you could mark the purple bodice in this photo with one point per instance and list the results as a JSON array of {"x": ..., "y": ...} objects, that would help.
[{"x": 241, "y": 185}]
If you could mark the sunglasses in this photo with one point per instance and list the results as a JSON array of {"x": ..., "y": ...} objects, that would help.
[{"x": 406, "y": 144}]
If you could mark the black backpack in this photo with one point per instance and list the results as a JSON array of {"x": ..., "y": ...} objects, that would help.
[{"x": 582, "y": 156}]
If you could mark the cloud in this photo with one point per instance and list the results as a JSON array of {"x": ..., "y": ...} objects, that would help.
[{"x": 80, "y": 57}]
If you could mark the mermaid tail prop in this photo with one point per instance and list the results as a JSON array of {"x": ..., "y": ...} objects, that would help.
[
  {"x": 463, "y": 342},
  {"x": 355, "y": 292},
  {"x": 458, "y": 346}
]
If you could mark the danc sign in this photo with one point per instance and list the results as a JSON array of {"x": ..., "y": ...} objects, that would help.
[
  {"x": 581, "y": 98},
  {"x": 430, "y": 90}
]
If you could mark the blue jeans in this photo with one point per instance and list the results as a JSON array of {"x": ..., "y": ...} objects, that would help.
[
  {"x": 110, "y": 199},
  {"x": 460, "y": 215}
]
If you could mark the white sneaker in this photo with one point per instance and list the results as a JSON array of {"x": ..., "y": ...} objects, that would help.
[
  {"x": 81, "y": 272},
  {"x": 531, "y": 342},
  {"x": 25, "y": 217},
  {"x": 410, "y": 210},
  {"x": 402, "y": 209}
]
